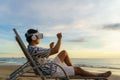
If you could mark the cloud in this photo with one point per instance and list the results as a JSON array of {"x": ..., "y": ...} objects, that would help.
[
  {"x": 46, "y": 12},
  {"x": 78, "y": 20},
  {"x": 77, "y": 40},
  {"x": 114, "y": 26}
]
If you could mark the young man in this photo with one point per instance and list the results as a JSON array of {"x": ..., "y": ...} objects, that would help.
[{"x": 33, "y": 38}]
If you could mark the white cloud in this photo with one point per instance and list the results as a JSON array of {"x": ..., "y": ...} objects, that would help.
[{"x": 58, "y": 12}]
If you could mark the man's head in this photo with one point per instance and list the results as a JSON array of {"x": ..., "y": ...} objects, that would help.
[{"x": 33, "y": 35}]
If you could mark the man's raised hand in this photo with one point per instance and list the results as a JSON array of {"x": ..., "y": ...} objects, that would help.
[{"x": 59, "y": 35}]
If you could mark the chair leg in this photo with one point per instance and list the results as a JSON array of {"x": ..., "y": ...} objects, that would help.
[{"x": 18, "y": 72}]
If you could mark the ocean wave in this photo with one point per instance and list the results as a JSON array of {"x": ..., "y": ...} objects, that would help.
[
  {"x": 91, "y": 66},
  {"x": 12, "y": 61},
  {"x": 2, "y": 61},
  {"x": 90, "y": 63}
]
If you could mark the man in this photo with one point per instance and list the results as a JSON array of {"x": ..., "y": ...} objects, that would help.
[{"x": 33, "y": 38}]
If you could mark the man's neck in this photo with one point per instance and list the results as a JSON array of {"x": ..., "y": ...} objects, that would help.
[{"x": 32, "y": 44}]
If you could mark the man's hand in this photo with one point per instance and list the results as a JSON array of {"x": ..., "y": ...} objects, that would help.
[
  {"x": 56, "y": 48},
  {"x": 59, "y": 35},
  {"x": 51, "y": 44}
]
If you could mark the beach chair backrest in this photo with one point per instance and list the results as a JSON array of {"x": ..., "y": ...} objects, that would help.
[
  {"x": 26, "y": 53},
  {"x": 22, "y": 46}
]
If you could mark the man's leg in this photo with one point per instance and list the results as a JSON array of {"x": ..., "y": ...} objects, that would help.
[
  {"x": 80, "y": 71},
  {"x": 63, "y": 56}
]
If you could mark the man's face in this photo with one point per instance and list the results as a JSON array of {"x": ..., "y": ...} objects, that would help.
[{"x": 37, "y": 41}]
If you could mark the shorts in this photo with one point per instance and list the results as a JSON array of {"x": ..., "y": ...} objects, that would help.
[{"x": 68, "y": 69}]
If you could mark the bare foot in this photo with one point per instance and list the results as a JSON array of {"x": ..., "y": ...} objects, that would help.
[{"x": 106, "y": 74}]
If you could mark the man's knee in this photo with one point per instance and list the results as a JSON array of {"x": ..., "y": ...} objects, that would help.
[
  {"x": 62, "y": 55},
  {"x": 63, "y": 51}
]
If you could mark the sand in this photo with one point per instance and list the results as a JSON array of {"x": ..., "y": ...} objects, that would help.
[{"x": 6, "y": 70}]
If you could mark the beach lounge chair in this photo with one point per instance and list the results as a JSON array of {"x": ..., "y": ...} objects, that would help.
[{"x": 33, "y": 69}]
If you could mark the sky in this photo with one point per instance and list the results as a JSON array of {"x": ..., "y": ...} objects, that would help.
[{"x": 90, "y": 28}]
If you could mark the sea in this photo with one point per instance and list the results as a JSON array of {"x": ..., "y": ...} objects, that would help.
[{"x": 94, "y": 64}]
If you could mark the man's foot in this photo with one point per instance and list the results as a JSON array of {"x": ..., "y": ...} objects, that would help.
[{"x": 106, "y": 74}]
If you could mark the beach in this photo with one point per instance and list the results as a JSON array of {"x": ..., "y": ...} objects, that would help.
[{"x": 5, "y": 70}]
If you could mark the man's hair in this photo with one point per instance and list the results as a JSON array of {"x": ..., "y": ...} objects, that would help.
[{"x": 30, "y": 31}]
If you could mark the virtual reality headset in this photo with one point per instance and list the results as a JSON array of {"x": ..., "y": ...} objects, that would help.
[{"x": 35, "y": 36}]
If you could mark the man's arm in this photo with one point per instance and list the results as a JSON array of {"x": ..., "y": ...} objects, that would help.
[{"x": 56, "y": 48}]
